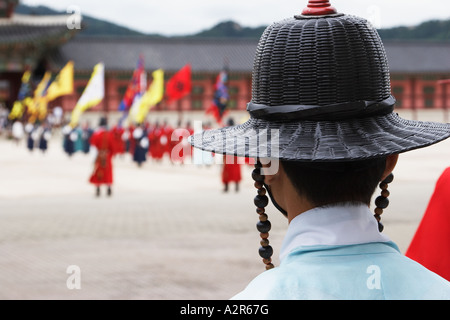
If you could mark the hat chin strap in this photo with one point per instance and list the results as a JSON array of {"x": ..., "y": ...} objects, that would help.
[{"x": 276, "y": 205}]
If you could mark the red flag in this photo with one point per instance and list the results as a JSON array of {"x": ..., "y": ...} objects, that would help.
[
  {"x": 179, "y": 85},
  {"x": 431, "y": 243}
]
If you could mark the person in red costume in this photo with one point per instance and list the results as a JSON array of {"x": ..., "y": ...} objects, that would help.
[
  {"x": 103, "y": 141},
  {"x": 157, "y": 138},
  {"x": 231, "y": 169},
  {"x": 431, "y": 244},
  {"x": 167, "y": 133},
  {"x": 119, "y": 143},
  {"x": 231, "y": 173}
]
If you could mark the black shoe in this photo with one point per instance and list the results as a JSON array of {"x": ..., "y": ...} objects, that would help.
[{"x": 109, "y": 191}]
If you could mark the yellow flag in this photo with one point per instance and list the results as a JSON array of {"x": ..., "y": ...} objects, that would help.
[
  {"x": 17, "y": 110},
  {"x": 152, "y": 96},
  {"x": 38, "y": 106},
  {"x": 40, "y": 89},
  {"x": 63, "y": 84},
  {"x": 19, "y": 105},
  {"x": 92, "y": 95},
  {"x": 42, "y": 104}
]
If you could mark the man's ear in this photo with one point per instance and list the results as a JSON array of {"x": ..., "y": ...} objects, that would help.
[
  {"x": 391, "y": 161},
  {"x": 271, "y": 178}
]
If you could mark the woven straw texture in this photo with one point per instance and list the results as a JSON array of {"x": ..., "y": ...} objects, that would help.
[
  {"x": 354, "y": 139},
  {"x": 319, "y": 62}
]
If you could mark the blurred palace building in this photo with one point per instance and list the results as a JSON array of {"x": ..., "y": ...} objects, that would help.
[{"x": 47, "y": 43}]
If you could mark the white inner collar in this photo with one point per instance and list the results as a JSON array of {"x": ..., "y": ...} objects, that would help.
[{"x": 343, "y": 224}]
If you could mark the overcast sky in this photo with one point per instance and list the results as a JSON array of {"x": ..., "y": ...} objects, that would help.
[{"x": 180, "y": 17}]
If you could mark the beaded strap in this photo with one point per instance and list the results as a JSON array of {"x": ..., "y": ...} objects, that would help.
[
  {"x": 263, "y": 226},
  {"x": 382, "y": 201}
]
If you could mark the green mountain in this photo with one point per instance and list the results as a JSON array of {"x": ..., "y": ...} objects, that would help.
[
  {"x": 433, "y": 30},
  {"x": 230, "y": 29}
]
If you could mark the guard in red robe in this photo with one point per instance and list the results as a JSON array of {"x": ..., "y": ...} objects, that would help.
[
  {"x": 231, "y": 172},
  {"x": 119, "y": 143},
  {"x": 158, "y": 142},
  {"x": 103, "y": 140},
  {"x": 168, "y": 130},
  {"x": 431, "y": 244}
]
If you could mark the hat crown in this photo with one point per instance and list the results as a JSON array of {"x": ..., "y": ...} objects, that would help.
[{"x": 320, "y": 60}]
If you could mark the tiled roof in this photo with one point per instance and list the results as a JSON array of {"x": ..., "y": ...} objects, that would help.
[
  {"x": 25, "y": 29},
  {"x": 169, "y": 54},
  {"x": 418, "y": 57},
  {"x": 209, "y": 54}
]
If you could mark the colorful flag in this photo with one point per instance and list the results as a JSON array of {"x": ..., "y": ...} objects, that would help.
[
  {"x": 92, "y": 95},
  {"x": 23, "y": 98},
  {"x": 37, "y": 108},
  {"x": 63, "y": 84},
  {"x": 221, "y": 97},
  {"x": 136, "y": 86},
  {"x": 179, "y": 85},
  {"x": 152, "y": 96}
]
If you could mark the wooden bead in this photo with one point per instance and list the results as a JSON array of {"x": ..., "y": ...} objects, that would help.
[
  {"x": 385, "y": 193},
  {"x": 389, "y": 178},
  {"x": 261, "y": 192},
  {"x": 378, "y": 211},
  {"x": 267, "y": 261},
  {"x": 265, "y": 252},
  {"x": 264, "y": 235},
  {"x": 382, "y": 202},
  {"x": 264, "y": 242},
  {"x": 257, "y": 176},
  {"x": 263, "y": 226},
  {"x": 383, "y": 186},
  {"x": 269, "y": 266},
  {"x": 263, "y": 217},
  {"x": 258, "y": 185},
  {"x": 261, "y": 201},
  {"x": 260, "y": 210}
]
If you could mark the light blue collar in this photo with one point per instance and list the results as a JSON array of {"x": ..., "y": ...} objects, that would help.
[{"x": 337, "y": 225}]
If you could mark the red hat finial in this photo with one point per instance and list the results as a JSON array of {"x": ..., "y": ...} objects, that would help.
[{"x": 318, "y": 8}]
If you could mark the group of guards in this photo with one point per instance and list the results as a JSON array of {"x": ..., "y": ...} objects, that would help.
[{"x": 156, "y": 141}]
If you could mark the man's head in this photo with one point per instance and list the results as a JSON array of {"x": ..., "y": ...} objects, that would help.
[{"x": 299, "y": 186}]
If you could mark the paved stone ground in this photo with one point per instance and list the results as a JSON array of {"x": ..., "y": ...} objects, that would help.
[{"x": 168, "y": 232}]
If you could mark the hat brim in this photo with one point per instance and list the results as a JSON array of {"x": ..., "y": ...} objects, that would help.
[{"x": 344, "y": 140}]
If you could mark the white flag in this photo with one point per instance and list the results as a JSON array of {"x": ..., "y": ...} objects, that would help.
[{"x": 92, "y": 95}]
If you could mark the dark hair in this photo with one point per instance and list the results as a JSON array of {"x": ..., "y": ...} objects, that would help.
[{"x": 324, "y": 183}]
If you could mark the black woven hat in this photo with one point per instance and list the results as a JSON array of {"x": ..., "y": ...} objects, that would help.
[{"x": 321, "y": 92}]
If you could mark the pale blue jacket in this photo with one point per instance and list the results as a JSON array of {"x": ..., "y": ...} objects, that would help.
[{"x": 338, "y": 253}]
